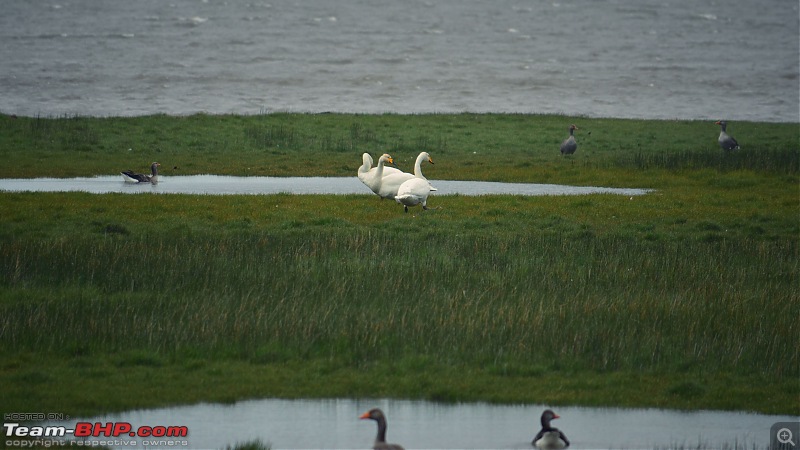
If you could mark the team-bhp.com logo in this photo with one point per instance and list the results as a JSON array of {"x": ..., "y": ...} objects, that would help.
[{"x": 94, "y": 434}]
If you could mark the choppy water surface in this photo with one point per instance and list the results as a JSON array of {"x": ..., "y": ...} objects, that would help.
[
  {"x": 733, "y": 59},
  {"x": 228, "y": 185},
  {"x": 316, "y": 424}
]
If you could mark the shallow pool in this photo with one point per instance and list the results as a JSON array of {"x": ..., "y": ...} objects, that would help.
[{"x": 229, "y": 185}]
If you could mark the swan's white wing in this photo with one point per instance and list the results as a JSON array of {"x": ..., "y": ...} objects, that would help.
[
  {"x": 391, "y": 183},
  {"x": 390, "y": 171}
]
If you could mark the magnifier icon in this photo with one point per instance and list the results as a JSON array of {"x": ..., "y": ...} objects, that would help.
[{"x": 784, "y": 436}]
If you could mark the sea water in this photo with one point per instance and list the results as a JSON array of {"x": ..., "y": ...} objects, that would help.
[{"x": 735, "y": 60}]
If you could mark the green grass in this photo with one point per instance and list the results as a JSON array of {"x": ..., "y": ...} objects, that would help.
[
  {"x": 502, "y": 147},
  {"x": 360, "y": 296},
  {"x": 686, "y": 297}
]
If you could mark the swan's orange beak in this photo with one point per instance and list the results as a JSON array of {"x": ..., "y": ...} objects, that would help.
[
  {"x": 717, "y": 123},
  {"x": 430, "y": 160},
  {"x": 364, "y": 416},
  {"x": 556, "y": 416},
  {"x": 391, "y": 160}
]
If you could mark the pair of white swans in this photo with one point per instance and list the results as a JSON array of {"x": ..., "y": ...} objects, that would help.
[{"x": 388, "y": 182}]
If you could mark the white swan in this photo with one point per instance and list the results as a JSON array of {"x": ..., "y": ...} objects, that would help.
[
  {"x": 369, "y": 175},
  {"x": 391, "y": 182},
  {"x": 373, "y": 177},
  {"x": 414, "y": 192}
]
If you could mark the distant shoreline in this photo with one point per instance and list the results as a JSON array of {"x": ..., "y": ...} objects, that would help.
[{"x": 386, "y": 113}]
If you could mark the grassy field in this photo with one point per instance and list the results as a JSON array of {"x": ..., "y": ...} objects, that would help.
[{"x": 685, "y": 297}]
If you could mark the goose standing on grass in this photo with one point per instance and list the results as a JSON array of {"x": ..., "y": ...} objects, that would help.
[
  {"x": 725, "y": 141},
  {"x": 568, "y": 146},
  {"x": 380, "y": 440},
  {"x": 132, "y": 177},
  {"x": 391, "y": 182},
  {"x": 549, "y": 437}
]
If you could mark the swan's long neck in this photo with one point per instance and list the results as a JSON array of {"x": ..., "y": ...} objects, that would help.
[
  {"x": 418, "y": 167},
  {"x": 366, "y": 163},
  {"x": 379, "y": 170}
]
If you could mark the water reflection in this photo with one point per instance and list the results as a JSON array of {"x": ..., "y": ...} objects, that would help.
[
  {"x": 306, "y": 424},
  {"x": 227, "y": 185}
]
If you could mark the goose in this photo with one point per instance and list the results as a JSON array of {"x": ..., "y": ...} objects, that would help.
[
  {"x": 380, "y": 440},
  {"x": 549, "y": 437},
  {"x": 391, "y": 182},
  {"x": 132, "y": 177},
  {"x": 569, "y": 145},
  {"x": 373, "y": 177},
  {"x": 725, "y": 141}
]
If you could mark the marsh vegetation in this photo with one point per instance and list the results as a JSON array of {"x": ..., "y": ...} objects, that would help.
[{"x": 686, "y": 297}]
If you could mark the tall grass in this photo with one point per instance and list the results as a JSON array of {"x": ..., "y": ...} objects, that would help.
[
  {"x": 780, "y": 161},
  {"x": 548, "y": 301}
]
